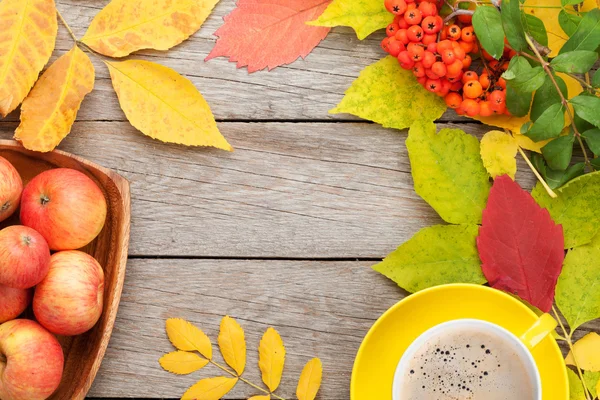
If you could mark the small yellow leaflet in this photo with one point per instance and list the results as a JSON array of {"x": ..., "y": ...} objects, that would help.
[
  {"x": 188, "y": 337},
  {"x": 310, "y": 380},
  {"x": 233, "y": 344},
  {"x": 210, "y": 389},
  {"x": 182, "y": 362},
  {"x": 271, "y": 358}
]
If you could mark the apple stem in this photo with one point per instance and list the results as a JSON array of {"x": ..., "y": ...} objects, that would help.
[
  {"x": 44, "y": 200},
  {"x": 5, "y": 206}
]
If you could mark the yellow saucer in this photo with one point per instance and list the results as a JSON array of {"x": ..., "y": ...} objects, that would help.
[{"x": 382, "y": 348}]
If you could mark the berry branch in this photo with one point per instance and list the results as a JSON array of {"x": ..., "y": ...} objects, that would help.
[{"x": 565, "y": 103}]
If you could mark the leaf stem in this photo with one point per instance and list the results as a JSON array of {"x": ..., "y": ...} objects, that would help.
[
  {"x": 458, "y": 12},
  {"x": 569, "y": 340},
  {"x": 246, "y": 381},
  {"x": 564, "y": 101},
  {"x": 64, "y": 22},
  {"x": 537, "y": 174}
]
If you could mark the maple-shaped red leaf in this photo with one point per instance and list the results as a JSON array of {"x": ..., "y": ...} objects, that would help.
[
  {"x": 519, "y": 244},
  {"x": 269, "y": 33}
]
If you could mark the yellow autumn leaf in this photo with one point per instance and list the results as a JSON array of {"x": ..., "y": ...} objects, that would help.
[
  {"x": 188, "y": 337},
  {"x": 210, "y": 389},
  {"x": 125, "y": 26},
  {"x": 27, "y": 35},
  {"x": 587, "y": 351},
  {"x": 182, "y": 362},
  {"x": 48, "y": 112},
  {"x": 310, "y": 380},
  {"x": 509, "y": 122},
  {"x": 164, "y": 105},
  {"x": 498, "y": 151},
  {"x": 233, "y": 344},
  {"x": 265, "y": 397},
  {"x": 271, "y": 357}
]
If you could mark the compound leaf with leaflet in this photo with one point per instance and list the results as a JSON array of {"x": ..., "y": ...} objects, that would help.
[
  {"x": 513, "y": 24},
  {"x": 232, "y": 343},
  {"x": 364, "y": 16},
  {"x": 574, "y": 62},
  {"x": 558, "y": 152},
  {"x": 164, "y": 105},
  {"x": 549, "y": 125},
  {"x": 520, "y": 247},
  {"x": 125, "y": 26},
  {"x": 487, "y": 23},
  {"x": 271, "y": 358},
  {"x": 448, "y": 172},
  {"x": 587, "y": 34},
  {"x": 577, "y": 208},
  {"x": 187, "y": 337},
  {"x": 263, "y": 34},
  {"x": 48, "y": 112},
  {"x": 310, "y": 380},
  {"x": 389, "y": 95},
  {"x": 436, "y": 255},
  {"x": 182, "y": 362},
  {"x": 27, "y": 36},
  {"x": 588, "y": 108},
  {"x": 210, "y": 388}
]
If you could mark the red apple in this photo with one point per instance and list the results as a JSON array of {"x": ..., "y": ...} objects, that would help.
[
  {"x": 31, "y": 361},
  {"x": 13, "y": 302},
  {"x": 69, "y": 299},
  {"x": 24, "y": 257},
  {"x": 65, "y": 206},
  {"x": 11, "y": 187}
]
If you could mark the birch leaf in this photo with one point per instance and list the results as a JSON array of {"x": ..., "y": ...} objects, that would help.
[
  {"x": 498, "y": 151},
  {"x": 210, "y": 389},
  {"x": 265, "y": 397},
  {"x": 164, "y": 105},
  {"x": 27, "y": 35},
  {"x": 391, "y": 96},
  {"x": 364, "y": 16},
  {"x": 233, "y": 344},
  {"x": 48, "y": 112},
  {"x": 271, "y": 358},
  {"x": 587, "y": 350},
  {"x": 188, "y": 337},
  {"x": 310, "y": 380},
  {"x": 125, "y": 26},
  {"x": 182, "y": 362}
]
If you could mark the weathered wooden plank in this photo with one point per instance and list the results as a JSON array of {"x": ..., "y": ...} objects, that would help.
[
  {"x": 340, "y": 190},
  {"x": 300, "y": 91},
  {"x": 322, "y": 309}
]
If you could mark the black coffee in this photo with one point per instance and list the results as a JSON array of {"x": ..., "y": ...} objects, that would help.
[{"x": 464, "y": 363}]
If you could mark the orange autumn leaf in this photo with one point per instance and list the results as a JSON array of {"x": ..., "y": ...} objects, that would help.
[
  {"x": 48, "y": 112},
  {"x": 27, "y": 35},
  {"x": 125, "y": 26},
  {"x": 310, "y": 380},
  {"x": 268, "y": 33},
  {"x": 271, "y": 358}
]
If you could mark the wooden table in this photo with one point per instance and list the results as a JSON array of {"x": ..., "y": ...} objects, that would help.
[{"x": 282, "y": 232}]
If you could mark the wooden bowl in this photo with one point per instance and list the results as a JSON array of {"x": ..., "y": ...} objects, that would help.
[{"x": 84, "y": 353}]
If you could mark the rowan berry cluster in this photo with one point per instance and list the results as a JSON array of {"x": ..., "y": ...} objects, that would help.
[{"x": 440, "y": 56}]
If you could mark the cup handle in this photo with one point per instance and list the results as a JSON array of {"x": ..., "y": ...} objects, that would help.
[{"x": 538, "y": 331}]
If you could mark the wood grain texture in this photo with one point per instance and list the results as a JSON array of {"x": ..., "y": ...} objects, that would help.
[
  {"x": 84, "y": 353},
  {"x": 290, "y": 190},
  {"x": 304, "y": 90},
  {"x": 321, "y": 309}
]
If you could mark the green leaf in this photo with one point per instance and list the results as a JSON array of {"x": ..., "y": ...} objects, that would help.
[
  {"x": 581, "y": 124},
  {"x": 448, "y": 172},
  {"x": 547, "y": 95},
  {"x": 592, "y": 138},
  {"x": 518, "y": 103},
  {"x": 574, "y": 62},
  {"x": 364, "y": 16},
  {"x": 513, "y": 24},
  {"x": 487, "y": 23},
  {"x": 437, "y": 255},
  {"x": 555, "y": 178},
  {"x": 588, "y": 108},
  {"x": 577, "y": 294},
  {"x": 591, "y": 381},
  {"x": 535, "y": 27},
  {"x": 391, "y": 96},
  {"x": 577, "y": 208},
  {"x": 596, "y": 80},
  {"x": 576, "y": 390},
  {"x": 569, "y": 2},
  {"x": 568, "y": 22},
  {"x": 558, "y": 152},
  {"x": 522, "y": 77},
  {"x": 587, "y": 34},
  {"x": 549, "y": 125}
]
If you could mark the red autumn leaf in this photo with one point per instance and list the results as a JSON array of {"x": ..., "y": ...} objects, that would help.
[
  {"x": 519, "y": 244},
  {"x": 268, "y": 33}
]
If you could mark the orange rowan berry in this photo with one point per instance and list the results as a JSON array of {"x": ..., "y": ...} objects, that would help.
[
  {"x": 410, "y": 5},
  {"x": 428, "y": 9},
  {"x": 429, "y": 38},
  {"x": 445, "y": 89},
  {"x": 404, "y": 57},
  {"x": 392, "y": 29},
  {"x": 444, "y": 33},
  {"x": 402, "y": 36},
  {"x": 454, "y": 32},
  {"x": 413, "y": 17},
  {"x": 485, "y": 109},
  {"x": 395, "y": 47},
  {"x": 471, "y": 107},
  {"x": 433, "y": 85},
  {"x": 465, "y": 19},
  {"x": 430, "y": 25},
  {"x": 431, "y": 75},
  {"x": 416, "y": 52},
  {"x": 454, "y": 70},
  {"x": 497, "y": 101},
  {"x": 422, "y": 80},
  {"x": 384, "y": 44},
  {"x": 467, "y": 34},
  {"x": 487, "y": 55},
  {"x": 494, "y": 64},
  {"x": 448, "y": 56},
  {"x": 428, "y": 59},
  {"x": 415, "y": 33},
  {"x": 467, "y": 61},
  {"x": 475, "y": 49},
  {"x": 484, "y": 79},
  {"x": 457, "y": 85},
  {"x": 396, "y": 7},
  {"x": 469, "y": 76},
  {"x": 501, "y": 82},
  {"x": 432, "y": 47},
  {"x": 439, "y": 68},
  {"x": 459, "y": 53},
  {"x": 472, "y": 89},
  {"x": 444, "y": 45},
  {"x": 418, "y": 70},
  {"x": 466, "y": 46},
  {"x": 399, "y": 19},
  {"x": 453, "y": 100}
]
